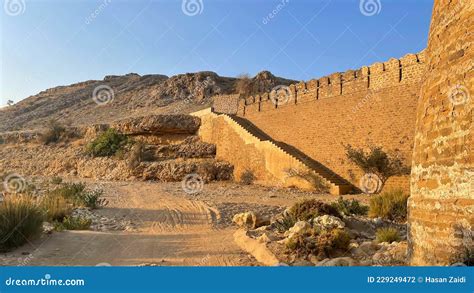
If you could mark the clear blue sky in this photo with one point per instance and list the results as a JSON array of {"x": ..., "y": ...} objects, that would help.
[{"x": 59, "y": 42}]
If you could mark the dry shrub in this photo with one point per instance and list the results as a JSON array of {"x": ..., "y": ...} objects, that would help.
[
  {"x": 247, "y": 177},
  {"x": 244, "y": 85},
  {"x": 390, "y": 205},
  {"x": 321, "y": 243},
  {"x": 55, "y": 132},
  {"x": 350, "y": 207},
  {"x": 387, "y": 235},
  {"x": 308, "y": 209},
  {"x": 20, "y": 221},
  {"x": 316, "y": 181},
  {"x": 56, "y": 180},
  {"x": 55, "y": 207}
]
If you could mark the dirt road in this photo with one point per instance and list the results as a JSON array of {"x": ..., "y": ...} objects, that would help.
[
  {"x": 170, "y": 227},
  {"x": 170, "y": 230}
]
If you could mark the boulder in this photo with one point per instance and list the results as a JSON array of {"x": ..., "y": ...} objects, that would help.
[
  {"x": 250, "y": 220},
  {"x": 338, "y": 262},
  {"x": 328, "y": 222},
  {"x": 359, "y": 225},
  {"x": 299, "y": 228},
  {"x": 391, "y": 254},
  {"x": 264, "y": 238},
  {"x": 369, "y": 246},
  {"x": 364, "y": 250},
  {"x": 257, "y": 249},
  {"x": 191, "y": 147}
]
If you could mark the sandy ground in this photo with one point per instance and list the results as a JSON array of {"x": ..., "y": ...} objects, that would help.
[{"x": 170, "y": 227}]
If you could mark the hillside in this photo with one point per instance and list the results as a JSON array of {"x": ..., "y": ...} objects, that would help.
[{"x": 131, "y": 95}]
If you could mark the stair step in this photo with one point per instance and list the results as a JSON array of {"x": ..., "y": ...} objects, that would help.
[{"x": 295, "y": 154}]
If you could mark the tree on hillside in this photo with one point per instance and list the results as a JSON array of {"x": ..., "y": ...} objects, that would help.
[{"x": 10, "y": 103}]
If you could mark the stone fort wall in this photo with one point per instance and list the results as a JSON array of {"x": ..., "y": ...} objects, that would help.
[
  {"x": 441, "y": 206},
  {"x": 374, "y": 105}
]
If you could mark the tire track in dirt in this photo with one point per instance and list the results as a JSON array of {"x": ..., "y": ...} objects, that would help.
[{"x": 171, "y": 230}]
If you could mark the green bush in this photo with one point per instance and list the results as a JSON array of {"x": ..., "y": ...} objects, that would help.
[
  {"x": 73, "y": 223},
  {"x": 78, "y": 195},
  {"x": 350, "y": 207},
  {"x": 391, "y": 205},
  {"x": 308, "y": 209},
  {"x": 107, "y": 144},
  {"x": 69, "y": 191},
  {"x": 55, "y": 207},
  {"x": 378, "y": 162},
  {"x": 387, "y": 235},
  {"x": 20, "y": 221},
  {"x": 285, "y": 222},
  {"x": 92, "y": 199}
]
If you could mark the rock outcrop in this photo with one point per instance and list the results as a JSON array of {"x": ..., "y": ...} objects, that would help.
[
  {"x": 164, "y": 148},
  {"x": 158, "y": 124},
  {"x": 117, "y": 97}
]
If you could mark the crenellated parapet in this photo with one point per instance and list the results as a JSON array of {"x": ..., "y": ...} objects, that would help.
[{"x": 394, "y": 72}]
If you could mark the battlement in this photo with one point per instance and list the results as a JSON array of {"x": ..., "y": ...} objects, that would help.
[{"x": 394, "y": 72}]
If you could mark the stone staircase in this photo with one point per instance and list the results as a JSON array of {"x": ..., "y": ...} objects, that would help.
[{"x": 253, "y": 134}]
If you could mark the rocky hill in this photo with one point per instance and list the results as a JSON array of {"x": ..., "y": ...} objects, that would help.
[{"x": 118, "y": 97}]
